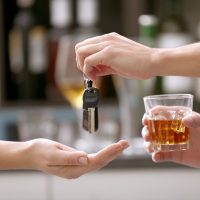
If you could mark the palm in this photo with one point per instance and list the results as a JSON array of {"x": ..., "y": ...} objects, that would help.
[{"x": 96, "y": 161}]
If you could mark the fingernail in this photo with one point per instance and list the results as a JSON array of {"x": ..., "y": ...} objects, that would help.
[
  {"x": 125, "y": 145},
  {"x": 157, "y": 157},
  {"x": 83, "y": 160}
]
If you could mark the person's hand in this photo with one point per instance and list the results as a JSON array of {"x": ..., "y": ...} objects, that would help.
[
  {"x": 114, "y": 54},
  {"x": 190, "y": 157},
  {"x": 60, "y": 160}
]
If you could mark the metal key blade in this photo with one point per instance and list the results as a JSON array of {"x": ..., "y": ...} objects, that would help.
[
  {"x": 96, "y": 118},
  {"x": 91, "y": 120},
  {"x": 85, "y": 119}
]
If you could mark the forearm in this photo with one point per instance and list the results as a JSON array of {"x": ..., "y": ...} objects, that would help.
[
  {"x": 181, "y": 61},
  {"x": 15, "y": 155}
]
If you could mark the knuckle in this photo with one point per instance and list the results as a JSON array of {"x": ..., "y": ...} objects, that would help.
[
  {"x": 77, "y": 46},
  {"x": 111, "y": 36},
  {"x": 87, "y": 61},
  {"x": 79, "y": 51},
  {"x": 71, "y": 161}
]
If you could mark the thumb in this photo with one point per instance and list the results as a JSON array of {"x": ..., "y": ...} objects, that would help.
[
  {"x": 90, "y": 72},
  {"x": 69, "y": 158},
  {"x": 192, "y": 121},
  {"x": 162, "y": 156}
]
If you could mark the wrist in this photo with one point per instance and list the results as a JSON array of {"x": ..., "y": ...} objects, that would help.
[
  {"x": 15, "y": 155},
  {"x": 180, "y": 61},
  {"x": 31, "y": 154},
  {"x": 154, "y": 62},
  {"x": 28, "y": 155},
  {"x": 158, "y": 60},
  {"x": 24, "y": 155}
]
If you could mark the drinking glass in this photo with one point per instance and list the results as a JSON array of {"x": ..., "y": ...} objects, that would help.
[{"x": 164, "y": 117}]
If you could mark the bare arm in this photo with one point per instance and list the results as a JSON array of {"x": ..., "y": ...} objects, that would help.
[
  {"x": 181, "y": 61},
  {"x": 29, "y": 154},
  {"x": 55, "y": 158},
  {"x": 115, "y": 54},
  {"x": 14, "y": 155}
]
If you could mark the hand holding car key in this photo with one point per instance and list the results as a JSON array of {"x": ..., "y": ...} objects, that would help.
[{"x": 91, "y": 97}]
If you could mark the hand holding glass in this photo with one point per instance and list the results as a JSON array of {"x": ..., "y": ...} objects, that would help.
[{"x": 164, "y": 116}]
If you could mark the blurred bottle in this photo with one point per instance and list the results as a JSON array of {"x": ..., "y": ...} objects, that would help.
[
  {"x": 173, "y": 33},
  {"x": 88, "y": 12},
  {"x": 148, "y": 32},
  {"x": 28, "y": 54},
  {"x": 2, "y": 56},
  {"x": 87, "y": 18},
  {"x": 61, "y": 13},
  {"x": 148, "y": 35},
  {"x": 173, "y": 27},
  {"x": 148, "y": 29}
]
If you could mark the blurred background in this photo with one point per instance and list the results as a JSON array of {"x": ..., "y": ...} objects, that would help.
[{"x": 41, "y": 88}]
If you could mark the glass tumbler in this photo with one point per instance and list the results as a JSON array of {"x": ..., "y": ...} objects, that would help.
[{"x": 164, "y": 120}]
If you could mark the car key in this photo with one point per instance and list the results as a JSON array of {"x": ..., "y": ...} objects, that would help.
[{"x": 90, "y": 107}]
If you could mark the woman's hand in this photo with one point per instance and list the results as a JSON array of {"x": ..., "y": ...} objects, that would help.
[
  {"x": 190, "y": 157},
  {"x": 60, "y": 160},
  {"x": 114, "y": 54}
]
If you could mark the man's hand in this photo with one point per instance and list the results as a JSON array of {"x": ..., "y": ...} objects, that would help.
[{"x": 190, "y": 157}]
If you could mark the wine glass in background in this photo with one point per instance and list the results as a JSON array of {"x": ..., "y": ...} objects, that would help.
[
  {"x": 130, "y": 94},
  {"x": 70, "y": 82},
  {"x": 68, "y": 78}
]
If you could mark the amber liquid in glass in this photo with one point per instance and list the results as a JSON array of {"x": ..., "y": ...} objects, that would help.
[{"x": 168, "y": 134}]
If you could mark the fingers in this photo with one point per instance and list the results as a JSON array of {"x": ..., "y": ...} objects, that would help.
[
  {"x": 99, "y": 39},
  {"x": 145, "y": 134},
  {"x": 80, "y": 158},
  {"x": 87, "y": 50},
  {"x": 109, "y": 153},
  {"x": 162, "y": 156},
  {"x": 92, "y": 62},
  {"x": 124, "y": 144},
  {"x": 68, "y": 158},
  {"x": 97, "y": 51},
  {"x": 144, "y": 119},
  {"x": 97, "y": 161},
  {"x": 192, "y": 120},
  {"x": 149, "y": 147},
  {"x": 158, "y": 156}
]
